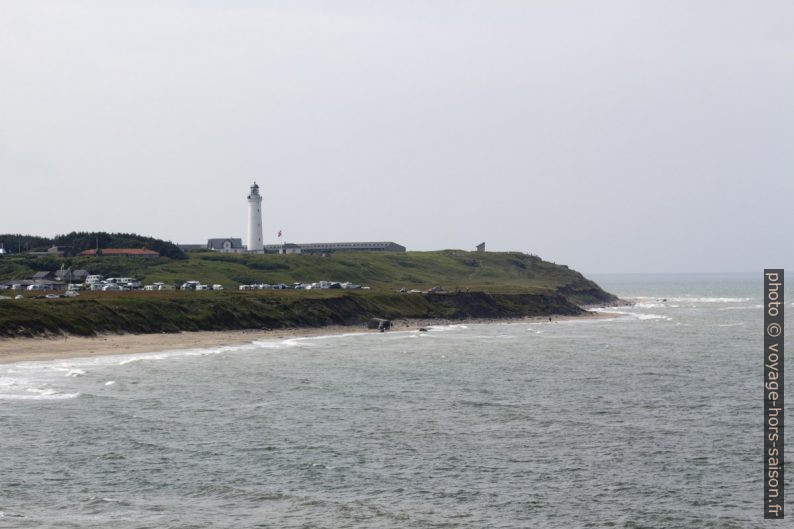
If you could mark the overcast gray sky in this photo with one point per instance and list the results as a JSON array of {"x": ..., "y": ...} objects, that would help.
[{"x": 608, "y": 135}]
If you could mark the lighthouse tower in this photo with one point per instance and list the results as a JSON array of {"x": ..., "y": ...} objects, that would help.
[{"x": 255, "y": 220}]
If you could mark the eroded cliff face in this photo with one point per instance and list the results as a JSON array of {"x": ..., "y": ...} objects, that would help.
[{"x": 136, "y": 315}]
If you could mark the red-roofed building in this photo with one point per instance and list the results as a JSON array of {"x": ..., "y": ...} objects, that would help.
[{"x": 120, "y": 252}]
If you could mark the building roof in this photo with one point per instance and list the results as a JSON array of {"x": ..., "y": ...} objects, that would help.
[
  {"x": 322, "y": 246},
  {"x": 351, "y": 245},
  {"x": 42, "y": 275},
  {"x": 217, "y": 244},
  {"x": 23, "y": 282},
  {"x": 28, "y": 282},
  {"x": 122, "y": 251},
  {"x": 75, "y": 274}
]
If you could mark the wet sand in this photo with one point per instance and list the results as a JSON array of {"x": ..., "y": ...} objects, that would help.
[{"x": 62, "y": 347}]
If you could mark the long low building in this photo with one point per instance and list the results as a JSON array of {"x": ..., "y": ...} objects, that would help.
[
  {"x": 233, "y": 245},
  {"x": 329, "y": 247},
  {"x": 120, "y": 252}
]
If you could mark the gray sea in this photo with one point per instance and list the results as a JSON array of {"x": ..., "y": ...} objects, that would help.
[{"x": 648, "y": 419}]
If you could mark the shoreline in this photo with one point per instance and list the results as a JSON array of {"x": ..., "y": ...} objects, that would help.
[{"x": 65, "y": 347}]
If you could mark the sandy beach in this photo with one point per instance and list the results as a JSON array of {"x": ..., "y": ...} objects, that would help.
[{"x": 62, "y": 347}]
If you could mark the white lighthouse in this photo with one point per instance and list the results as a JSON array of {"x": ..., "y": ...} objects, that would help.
[{"x": 255, "y": 220}]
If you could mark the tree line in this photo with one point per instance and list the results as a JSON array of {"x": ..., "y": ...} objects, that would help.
[{"x": 83, "y": 240}]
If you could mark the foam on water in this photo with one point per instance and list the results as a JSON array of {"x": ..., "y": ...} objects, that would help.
[
  {"x": 42, "y": 395},
  {"x": 626, "y": 314},
  {"x": 450, "y": 327},
  {"x": 692, "y": 299}
]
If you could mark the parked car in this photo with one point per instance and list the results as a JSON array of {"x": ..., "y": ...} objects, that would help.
[
  {"x": 189, "y": 285},
  {"x": 111, "y": 286},
  {"x": 217, "y": 287},
  {"x": 37, "y": 287},
  {"x": 202, "y": 287}
]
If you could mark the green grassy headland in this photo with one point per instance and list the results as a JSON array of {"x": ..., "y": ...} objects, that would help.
[{"x": 488, "y": 285}]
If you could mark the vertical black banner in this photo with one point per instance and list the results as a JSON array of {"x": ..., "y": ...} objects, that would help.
[{"x": 773, "y": 393}]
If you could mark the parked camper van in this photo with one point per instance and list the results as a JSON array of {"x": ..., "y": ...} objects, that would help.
[{"x": 130, "y": 282}]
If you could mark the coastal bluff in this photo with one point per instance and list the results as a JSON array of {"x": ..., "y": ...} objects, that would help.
[{"x": 490, "y": 285}]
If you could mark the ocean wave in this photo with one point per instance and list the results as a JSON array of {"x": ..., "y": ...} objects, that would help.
[
  {"x": 451, "y": 327},
  {"x": 77, "y": 366},
  {"x": 275, "y": 343},
  {"x": 177, "y": 353},
  {"x": 656, "y": 306},
  {"x": 326, "y": 336},
  {"x": 44, "y": 396},
  {"x": 601, "y": 309},
  {"x": 8, "y": 381},
  {"x": 690, "y": 299},
  {"x": 641, "y": 316},
  {"x": 635, "y": 315},
  {"x": 42, "y": 391}
]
